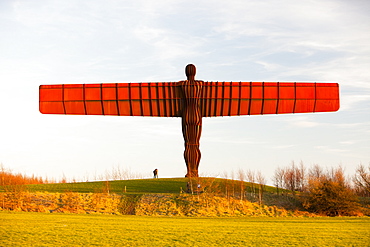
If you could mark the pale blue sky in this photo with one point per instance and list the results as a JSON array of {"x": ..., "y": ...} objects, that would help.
[{"x": 53, "y": 42}]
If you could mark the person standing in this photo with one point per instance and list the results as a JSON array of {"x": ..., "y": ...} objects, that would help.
[{"x": 155, "y": 172}]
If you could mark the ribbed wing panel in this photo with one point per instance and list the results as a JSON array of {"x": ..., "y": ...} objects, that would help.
[
  {"x": 120, "y": 99},
  {"x": 258, "y": 98},
  {"x": 165, "y": 99}
]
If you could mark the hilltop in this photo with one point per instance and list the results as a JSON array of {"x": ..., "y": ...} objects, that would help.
[{"x": 132, "y": 186}]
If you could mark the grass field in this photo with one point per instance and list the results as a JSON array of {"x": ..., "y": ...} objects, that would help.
[
  {"x": 134, "y": 186},
  {"x": 137, "y": 186},
  {"x": 39, "y": 229}
]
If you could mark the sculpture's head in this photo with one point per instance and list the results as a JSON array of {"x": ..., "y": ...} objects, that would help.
[{"x": 190, "y": 71}]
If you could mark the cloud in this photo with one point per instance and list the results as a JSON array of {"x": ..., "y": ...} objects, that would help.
[
  {"x": 315, "y": 40},
  {"x": 283, "y": 146},
  {"x": 347, "y": 142},
  {"x": 233, "y": 140},
  {"x": 331, "y": 150},
  {"x": 169, "y": 45},
  {"x": 354, "y": 100},
  {"x": 301, "y": 121}
]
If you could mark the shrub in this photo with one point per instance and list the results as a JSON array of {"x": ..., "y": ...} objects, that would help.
[
  {"x": 326, "y": 196},
  {"x": 128, "y": 204}
]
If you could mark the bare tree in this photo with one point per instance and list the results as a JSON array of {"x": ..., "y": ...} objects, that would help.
[
  {"x": 251, "y": 179},
  {"x": 290, "y": 178},
  {"x": 294, "y": 178},
  {"x": 64, "y": 179},
  {"x": 233, "y": 182},
  {"x": 225, "y": 175},
  {"x": 316, "y": 172},
  {"x": 278, "y": 178},
  {"x": 362, "y": 180},
  {"x": 300, "y": 177},
  {"x": 241, "y": 176},
  {"x": 261, "y": 185}
]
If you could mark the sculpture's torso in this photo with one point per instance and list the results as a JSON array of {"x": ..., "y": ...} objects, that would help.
[{"x": 191, "y": 124}]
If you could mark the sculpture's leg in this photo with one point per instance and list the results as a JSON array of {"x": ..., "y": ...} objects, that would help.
[{"x": 192, "y": 152}]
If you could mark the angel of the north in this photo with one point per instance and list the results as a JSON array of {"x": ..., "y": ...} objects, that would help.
[{"x": 191, "y": 100}]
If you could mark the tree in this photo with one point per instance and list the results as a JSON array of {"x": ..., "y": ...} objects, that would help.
[
  {"x": 316, "y": 172},
  {"x": 290, "y": 178},
  {"x": 330, "y": 195},
  {"x": 278, "y": 179},
  {"x": 362, "y": 180},
  {"x": 300, "y": 177},
  {"x": 261, "y": 185},
  {"x": 8, "y": 178},
  {"x": 251, "y": 179},
  {"x": 241, "y": 175}
]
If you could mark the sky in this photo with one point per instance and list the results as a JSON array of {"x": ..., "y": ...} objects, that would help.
[{"x": 111, "y": 41}]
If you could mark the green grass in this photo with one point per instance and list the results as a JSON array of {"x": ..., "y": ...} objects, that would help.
[
  {"x": 38, "y": 229},
  {"x": 134, "y": 186}
]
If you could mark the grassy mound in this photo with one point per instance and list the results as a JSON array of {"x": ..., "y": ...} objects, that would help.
[
  {"x": 135, "y": 186},
  {"x": 146, "y": 186}
]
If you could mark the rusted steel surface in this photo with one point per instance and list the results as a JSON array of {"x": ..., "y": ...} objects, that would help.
[
  {"x": 260, "y": 98},
  {"x": 191, "y": 120},
  {"x": 191, "y": 100},
  {"x": 162, "y": 99},
  {"x": 165, "y": 99}
]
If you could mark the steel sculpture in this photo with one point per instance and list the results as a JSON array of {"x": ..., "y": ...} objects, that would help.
[{"x": 191, "y": 100}]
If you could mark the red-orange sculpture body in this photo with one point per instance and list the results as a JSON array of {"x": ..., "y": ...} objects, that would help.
[
  {"x": 191, "y": 100},
  {"x": 191, "y": 120}
]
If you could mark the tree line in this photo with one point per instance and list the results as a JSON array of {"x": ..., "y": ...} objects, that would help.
[
  {"x": 8, "y": 178},
  {"x": 327, "y": 192}
]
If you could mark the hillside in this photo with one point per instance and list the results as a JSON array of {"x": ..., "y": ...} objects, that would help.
[
  {"x": 134, "y": 186},
  {"x": 165, "y": 196},
  {"x": 124, "y": 196},
  {"x": 148, "y": 186}
]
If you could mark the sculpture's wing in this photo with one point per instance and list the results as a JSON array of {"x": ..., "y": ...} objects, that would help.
[
  {"x": 162, "y": 99},
  {"x": 255, "y": 98}
]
